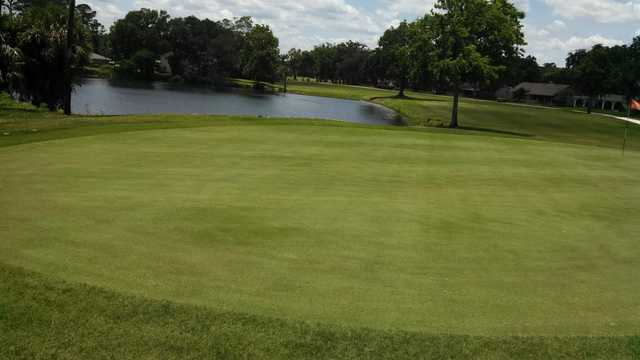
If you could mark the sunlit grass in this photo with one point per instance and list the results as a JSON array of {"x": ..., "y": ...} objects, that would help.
[{"x": 262, "y": 229}]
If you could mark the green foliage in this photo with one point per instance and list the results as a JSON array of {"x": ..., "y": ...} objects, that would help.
[
  {"x": 626, "y": 68},
  {"x": 102, "y": 71},
  {"x": 603, "y": 70},
  {"x": 99, "y": 38},
  {"x": 261, "y": 54},
  {"x": 294, "y": 62},
  {"x": 593, "y": 72},
  {"x": 395, "y": 46},
  {"x": 204, "y": 51},
  {"x": 41, "y": 36},
  {"x": 142, "y": 29},
  {"x": 9, "y": 58},
  {"x": 519, "y": 70},
  {"x": 473, "y": 40}
]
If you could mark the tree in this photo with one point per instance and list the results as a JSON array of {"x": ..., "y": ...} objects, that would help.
[
  {"x": 576, "y": 58},
  {"x": 593, "y": 73},
  {"x": 307, "y": 64},
  {"x": 626, "y": 73},
  {"x": 350, "y": 60},
  {"x": 12, "y": 6},
  {"x": 473, "y": 39},
  {"x": 294, "y": 61},
  {"x": 324, "y": 62},
  {"x": 9, "y": 57},
  {"x": 550, "y": 73},
  {"x": 519, "y": 70},
  {"x": 68, "y": 53},
  {"x": 261, "y": 55},
  {"x": 99, "y": 38},
  {"x": 142, "y": 29},
  {"x": 19, "y": 6},
  {"x": 43, "y": 45},
  {"x": 421, "y": 52},
  {"x": 395, "y": 46}
]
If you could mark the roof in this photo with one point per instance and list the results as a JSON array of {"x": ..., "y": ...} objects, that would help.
[
  {"x": 542, "y": 89},
  {"x": 98, "y": 57}
]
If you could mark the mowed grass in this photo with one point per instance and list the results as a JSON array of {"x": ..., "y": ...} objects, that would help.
[
  {"x": 41, "y": 318},
  {"x": 566, "y": 125},
  {"x": 263, "y": 229}
]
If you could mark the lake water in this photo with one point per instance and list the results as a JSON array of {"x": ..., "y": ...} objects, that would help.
[{"x": 103, "y": 97}]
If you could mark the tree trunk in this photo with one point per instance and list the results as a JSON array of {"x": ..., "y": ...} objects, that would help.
[
  {"x": 589, "y": 105},
  {"x": 403, "y": 84},
  {"x": 454, "y": 112},
  {"x": 285, "y": 83},
  {"x": 67, "y": 65}
]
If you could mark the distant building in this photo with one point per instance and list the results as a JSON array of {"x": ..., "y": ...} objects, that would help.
[
  {"x": 504, "y": 93},
  {"x": 97, "y": 59},
  {"x": 543, "y": 93}
]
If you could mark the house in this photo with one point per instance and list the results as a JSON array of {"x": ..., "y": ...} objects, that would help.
[
  {"x": 610, "y": 102},
  {"x": 543, "y": 93},
  {"x": 504, "y": 93},
  {"x": 98, "y": 60}
]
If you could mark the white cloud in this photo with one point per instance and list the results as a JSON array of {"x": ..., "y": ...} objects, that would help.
[
  {"x": 305, "y": 23},
  {"x": 522, "y": 5},
  {"x": 107, "y": 11},
  {"x": 602, "y": 11},
  {"x": 298, "y": 23},
  {"x": 548, "y": 44}
]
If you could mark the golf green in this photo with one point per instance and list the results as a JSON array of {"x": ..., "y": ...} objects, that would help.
[{"x": 346, "y": 225}]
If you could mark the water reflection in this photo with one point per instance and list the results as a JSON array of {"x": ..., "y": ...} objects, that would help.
[{"x": 98, "y": 96}]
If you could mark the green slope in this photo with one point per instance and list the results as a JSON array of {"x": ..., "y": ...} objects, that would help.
[
  {"x": 42, "y": 318},
  {"x": 401, "y": 231}
]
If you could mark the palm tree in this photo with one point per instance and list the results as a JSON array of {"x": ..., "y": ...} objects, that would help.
[{"x": 9, "y": 59}]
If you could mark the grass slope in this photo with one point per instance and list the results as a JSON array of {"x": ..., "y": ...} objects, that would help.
[
  {"x": 394, "y": 229},
  {"x": 43, "y": 318},
  {"x": 555, "y": 124}
]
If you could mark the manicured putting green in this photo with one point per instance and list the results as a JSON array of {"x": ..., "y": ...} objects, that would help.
[{"x": 344, "y": 225}]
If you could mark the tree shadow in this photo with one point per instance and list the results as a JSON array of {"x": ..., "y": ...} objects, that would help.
[
  {"x": 14, "y": 110},
  {"x": 495, "y": 131},
  {"x": 409, "y": 98}
]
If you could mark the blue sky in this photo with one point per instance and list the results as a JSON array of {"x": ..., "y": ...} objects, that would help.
[{"x": 553, "y": 27}]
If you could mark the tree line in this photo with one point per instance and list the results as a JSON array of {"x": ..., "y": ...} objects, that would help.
[
  {"x": 460, "y": 42},
  {"x": 199, "y": 51},
  {"x": 34, "y": 53}
]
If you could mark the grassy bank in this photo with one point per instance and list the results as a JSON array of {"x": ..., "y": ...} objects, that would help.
[
  {"x": 200, "y": 237},
  {"x": 43, "y": 318},
  {"x": 420, "y": 109}
]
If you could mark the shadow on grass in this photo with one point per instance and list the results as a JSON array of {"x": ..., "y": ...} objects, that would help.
[
  {"x": 21, "y": 110},
  {"x": 408, "y": 98},
  {"x": 495, "y": 131}
]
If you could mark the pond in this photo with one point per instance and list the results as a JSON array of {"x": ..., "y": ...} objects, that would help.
[{"x": 104, "y": 97}]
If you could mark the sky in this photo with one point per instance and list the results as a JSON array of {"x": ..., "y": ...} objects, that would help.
[{"x": 553, "y": 28}]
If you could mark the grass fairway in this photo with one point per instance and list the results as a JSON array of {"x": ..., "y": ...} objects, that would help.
[
  {"x": 293, "y": 238},
  {"x": 565, "y": 125}
]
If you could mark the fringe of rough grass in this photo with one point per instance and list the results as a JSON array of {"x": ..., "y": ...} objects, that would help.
[{"x": 44, "y": 318}]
